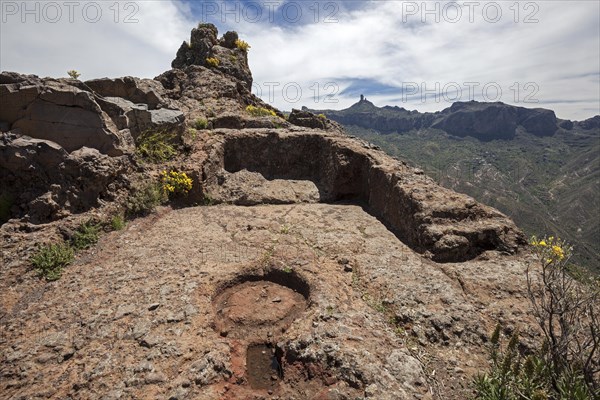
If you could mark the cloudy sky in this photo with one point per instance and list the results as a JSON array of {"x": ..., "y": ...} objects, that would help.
[{"x": 417, "y": 55}]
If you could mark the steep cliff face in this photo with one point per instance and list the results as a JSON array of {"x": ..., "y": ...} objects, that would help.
[{"x": 347, "y": 269}]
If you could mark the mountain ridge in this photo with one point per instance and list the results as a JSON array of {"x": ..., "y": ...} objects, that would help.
[{"x": 484, "y": 120}]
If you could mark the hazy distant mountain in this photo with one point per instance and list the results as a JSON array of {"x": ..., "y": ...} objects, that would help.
[{"x": 542, "y": 171}]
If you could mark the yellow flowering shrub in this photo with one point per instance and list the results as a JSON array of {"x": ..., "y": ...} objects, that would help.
[
  {"x": 242, "y": 45},
  {"x": 213, "y": 62},
  {"x": 174, "y": 182},
  {"x": 260, "y": 112},
  {"x": 551, "y": 250}
]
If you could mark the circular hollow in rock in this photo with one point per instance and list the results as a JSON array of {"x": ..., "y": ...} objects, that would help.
[{"x": 255, "y": 306}]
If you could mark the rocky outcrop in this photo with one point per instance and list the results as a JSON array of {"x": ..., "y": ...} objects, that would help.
[
  {"x": 307, "y": 119},
  {"x": 64, "y": 139},
  {"x": 46, "y": 183},
  {"x": 590, "y": 123},
  {"x": 135, "y": 90},
  {"x": 486, "y": 121},
  {"x": 204, "y": 44},
  {"x": 56, "y": 110}
]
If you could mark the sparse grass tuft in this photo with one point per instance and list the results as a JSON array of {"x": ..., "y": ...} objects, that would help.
[
  {"x": 144, "y": 199},
  {"x": 50, "y": 260},
  {"x": 86, "y": 236},
  {"x": 156, "y": 146},
  {"x": 200, "y": 123},
  {"x": 117, "y": 222}
]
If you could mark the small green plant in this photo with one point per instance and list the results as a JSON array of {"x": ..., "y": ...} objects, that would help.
[
  {"x": 6, "y": 203},
  {"x": 50, "y": 260},
  {"x": 144, "y": 199},
  {"x": 156, "y": 146},
  {"x": 117, "y": 222},
  {"x": 174, "y": 183},
  {"x": 322, "y": 116},
  {"x": 285, "y": 229},
  {"x": 514, "y": 376},
  {"x": 73, "y": 74},
  {"x": 200, "y": 123},
  {"x": 85, "y": 236},
  {"x": 192, "y": 133},
  {"x": 242, "y": 45},
  {"x": 566, "y": 364},
  {"x": 260, "y": 111},
  {"x": 287, "y": 269},
  {"x": 207, "y": 200},
  {"x": 212, "y": 62}
]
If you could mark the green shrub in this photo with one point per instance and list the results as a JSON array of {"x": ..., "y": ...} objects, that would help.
[
  {"x": 200, "y": 123},
  {"x": 260, "y": 112},
  {"x": 73, "y": 74},
  {"x": 85, "y": 236},
  {"x": 242, "y": 45},
  {"x": 117, "y": 223},
  {"x": 156, "y": 146},
  {"x": 6, "y": 203},
  {"x": 144, "y": 199},
  {"x": 49, "y": 261},
  {"x": 212, "y": 62},
  {"x": 322, "y": 116},
  {"x": 566, "y": 364},
  {"x": 514, "y": 376}
]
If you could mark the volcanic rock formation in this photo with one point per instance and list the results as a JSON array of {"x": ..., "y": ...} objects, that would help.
[{"x": 351, "y": 276}]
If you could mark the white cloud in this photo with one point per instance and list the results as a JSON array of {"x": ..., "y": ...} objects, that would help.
[
  {"x": 370, "y": 41},
  {"x": 375, "y": 43},
  {"x": 131, "y": 38}
]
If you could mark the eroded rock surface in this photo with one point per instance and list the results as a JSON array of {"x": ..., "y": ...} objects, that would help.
[
  {"x": 136, "y": 316},
  {"x": 446, "y": 226}
]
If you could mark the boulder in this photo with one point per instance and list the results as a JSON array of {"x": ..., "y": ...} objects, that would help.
[
  {"x": 135, "y": 90},
  {"x": 47, "y": 183},
  {"x": 57, "y": 111},
  {"x": 229, "y": 40},
  {"x": 306, "y": 119},
  {"x": 137, "y": 118}
]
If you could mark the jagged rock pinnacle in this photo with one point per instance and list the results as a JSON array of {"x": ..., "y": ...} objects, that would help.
[{"x": 204, "y": 45}]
